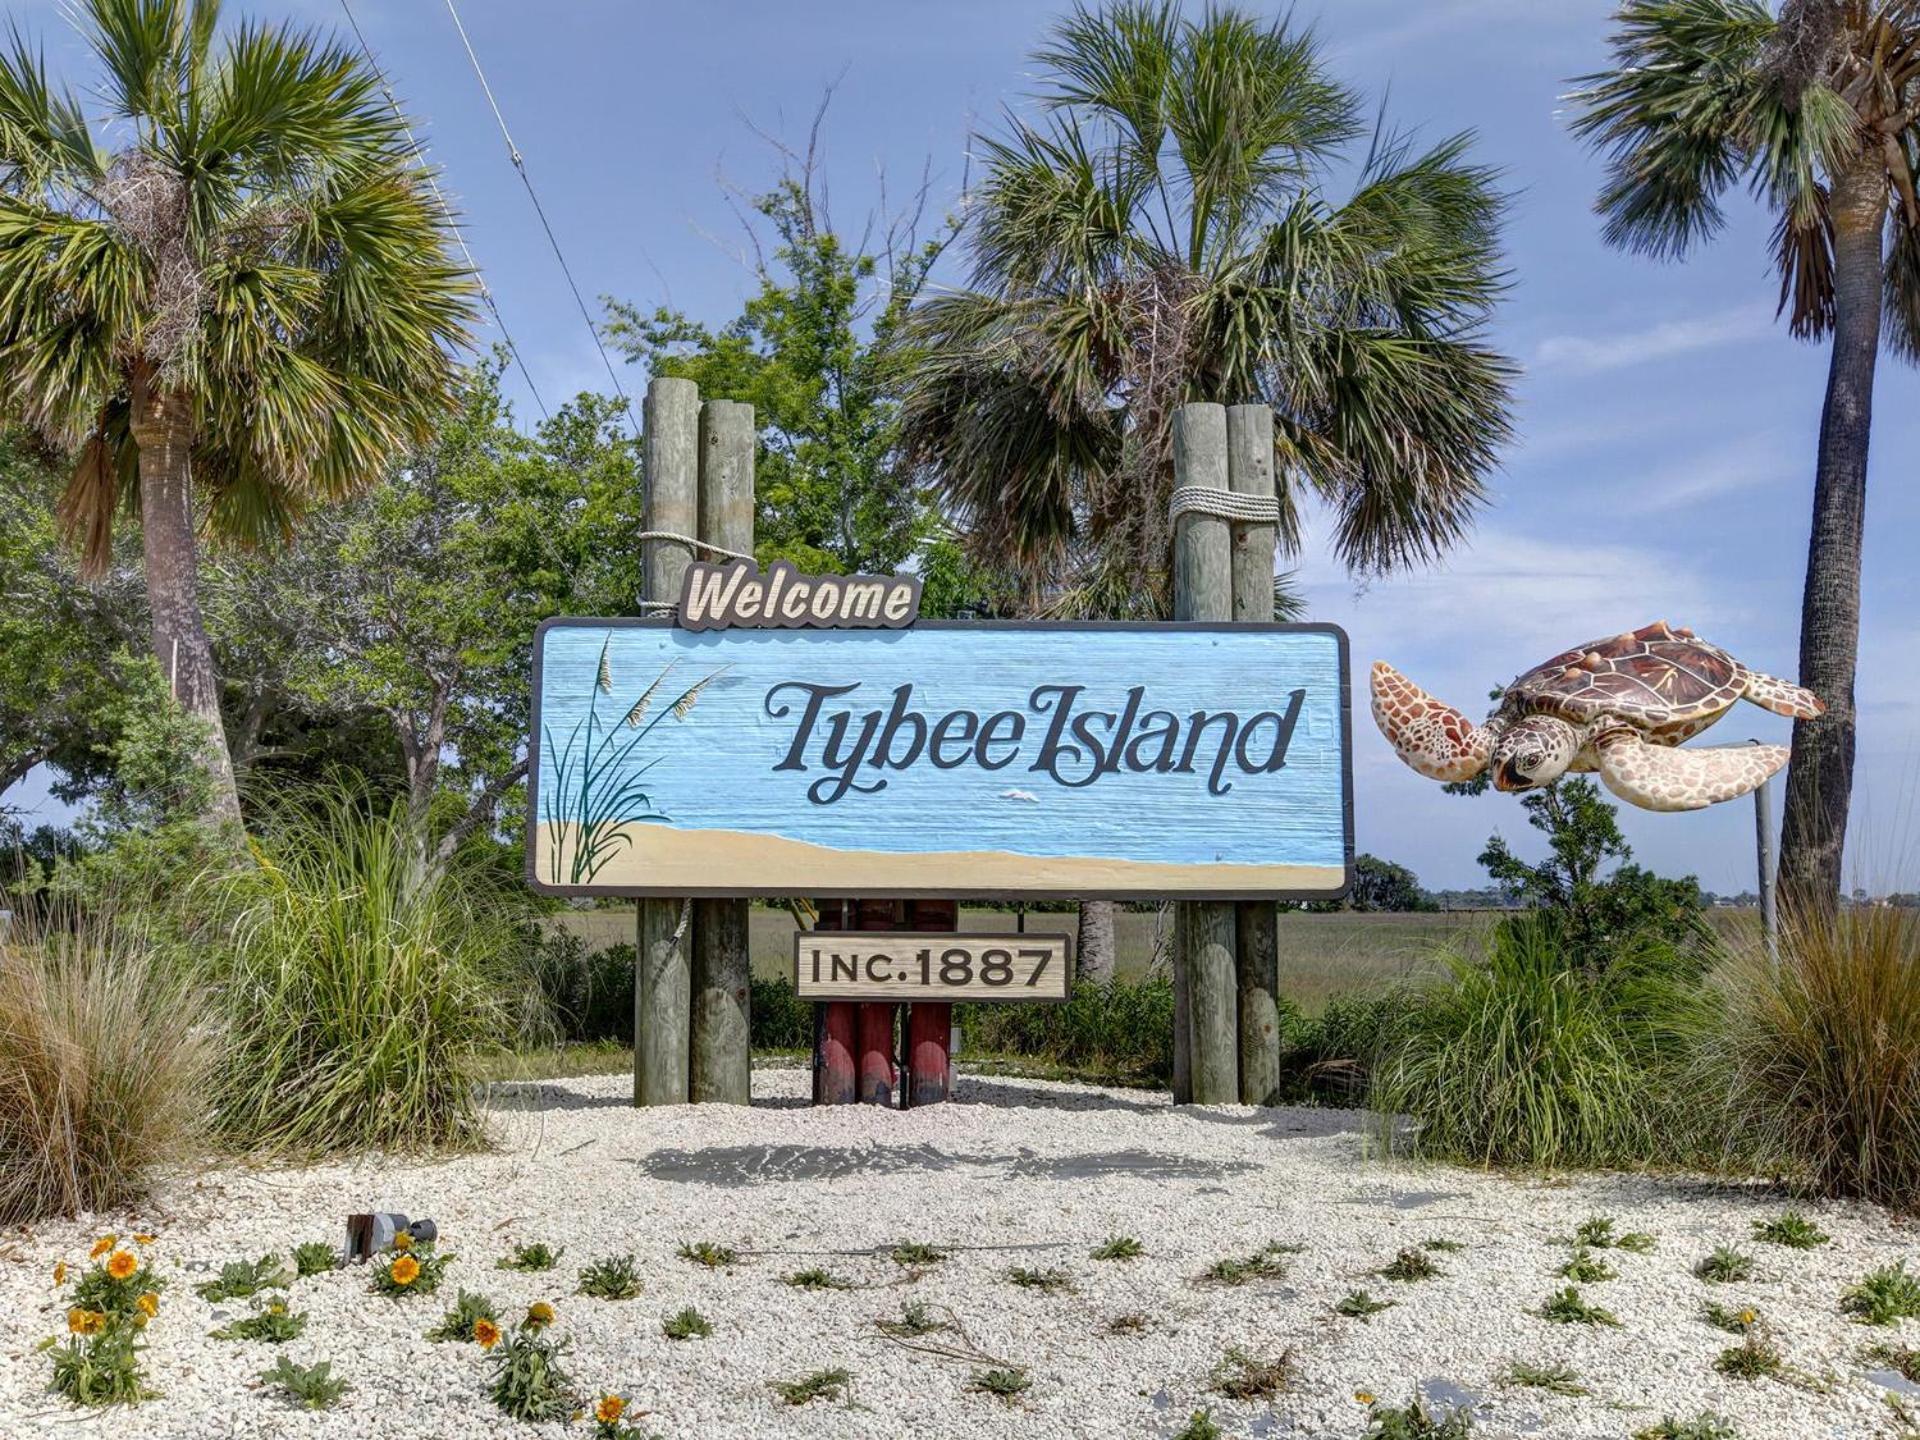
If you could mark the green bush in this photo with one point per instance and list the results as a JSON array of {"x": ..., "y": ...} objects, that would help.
[
  {"x": 1332, "y": 1056},
  {"x": 104, "y": 1048},
  {"x": 585, "y": 994},
  {"x": 1823, "y": 1051},
  {"x": 362, "y": 983},
  {"x": 1523, "y": 1057},
  {"x": 780, "y": 1019},
  {"x": 1120, "y": 1030}
]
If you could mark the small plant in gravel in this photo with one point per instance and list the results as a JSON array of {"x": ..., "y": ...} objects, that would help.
[
  {"x": 1131, "y": 1323},
  {"x": 613, "y": 1277},
  {"x": 1754, "y": 1358},
  {"x": 119, "y": 1283},
  {"x": 271, "y": 1322},
  {"x": 1052, "y": 1282},
  {"x": 916, "y": 1318},
  {"x": 816, "y": 1278},
  {"x": 1791, "y": 1229},
  {"x": 529, "y": 1382},
  {"x": 705, "y": 1252},
  {"x": 469, "y": 1307},
  {"x": 1734, "y": 1319},
  {"x": 1587, "y": 1268},
  {"x": 834, "y": 1384},
  {"x": 412, "y": 1270},
  {"x": 314, "y": 1257},
  {"x": 1200, "y": 1426},
  {"x": 1119, "y": 1247},
  {"x": 686, "y": 1323},
  {"x": 1903, "y": 1360},
  {"x": 100, "y": 1363},
  {"x": 609, "y": 1417},
  {"x": 240, "y": 1279},
  {"x": 1445, "y": 1247},
  {"x": 912, "y": 1252},
  {"x": 1241, "y": 1376},
  {"x": 1704, "y": 1426},
  {"x": 1410, "y": 1265},
  {"x": 1596, "y": 1232},
  {"x": 1415, "y": 1421},
  {"x": 1005, "y": 1381},
  {"x": 532, "y": 1258},
  {"x": 1568, "y": 1307},
  {"x": 1556, "y": 1379},
  {"x": 1359, "y": 1305},
  {"x": 1264, "y": 1264},
  {"x": 1725, "y": 1266},
  {"x": 311, "y": 1387},
  {"x": 1884, "y": 1296}
]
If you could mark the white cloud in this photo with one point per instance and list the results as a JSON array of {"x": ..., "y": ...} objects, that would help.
[
  {"x": 1593, "y": 354},
  {"x": 1742, "y": 463}
]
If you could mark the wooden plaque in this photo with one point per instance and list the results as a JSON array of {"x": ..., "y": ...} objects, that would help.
[{"x": 908, "y": 965}]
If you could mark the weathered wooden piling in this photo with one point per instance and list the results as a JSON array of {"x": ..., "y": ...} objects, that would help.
[{"x": 929, "y": 1069}]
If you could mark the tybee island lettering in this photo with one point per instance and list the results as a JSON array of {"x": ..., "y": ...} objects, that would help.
[
  {"x": 775, "y": 739},
  {"x": 1060, "y": 733}
]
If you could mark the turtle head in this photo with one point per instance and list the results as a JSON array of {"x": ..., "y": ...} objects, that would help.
[{"x": 1533, "y": 751}]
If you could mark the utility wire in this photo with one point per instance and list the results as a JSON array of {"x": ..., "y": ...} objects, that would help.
[
  {"x": 520, "y": 164},
  {"x": 420, "y": 159}
]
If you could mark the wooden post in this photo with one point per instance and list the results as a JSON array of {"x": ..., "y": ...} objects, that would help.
[
  {"x": 663, "y": 945},
  {"x": 1256, "y": 936},
  {"x": 929, "y": 1067},
  {"x": 722, "y": 974},
  {"x": 1763, "y": 844},
  {"x": 1203, "y": 957},
  {"x": 835, "y": 1029}
]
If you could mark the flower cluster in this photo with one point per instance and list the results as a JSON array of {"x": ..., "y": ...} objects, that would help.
[
  {"x": 412, "y": 1267},
  {"x": 113, "y": 1300}
]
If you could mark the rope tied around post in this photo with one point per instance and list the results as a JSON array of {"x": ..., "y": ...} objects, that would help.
[
  {"x": 672, "y": 607},
  {"x": 1225, "y": 504}
]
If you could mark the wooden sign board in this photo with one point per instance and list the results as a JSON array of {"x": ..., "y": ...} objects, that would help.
[
  {"x": 909, "y": 965},
  {"x": 954, "y": 759}
]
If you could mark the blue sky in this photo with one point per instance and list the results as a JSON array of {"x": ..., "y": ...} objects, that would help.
[{"x": 1667, "y": 424}]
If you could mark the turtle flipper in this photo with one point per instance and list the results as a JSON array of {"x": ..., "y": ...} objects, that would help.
[
  {"x": 1783, "y": 697},
  {"x": 1432, "y": 737},
  {"x": 1660, "y": 777}
]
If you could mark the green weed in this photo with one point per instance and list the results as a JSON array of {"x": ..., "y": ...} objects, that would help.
[
  {"x": 271, "y": 1322},
  {"x": 832, "y": 1384},
  {"x": 529, "y": 1382},
  {"x": 1587, "y": 1268},
  {"x": 1119, "y": 1247},
  {"x": 1725, "y": 1266},
  {"x": 1703, "y": 1426},
  {"x": 1754, "y": 1358},
  {"x": 1557, "y": 1379},
  {"x": 239, "y": 1279},
  {"x": 705, "y": 1252},
  {"x": 815, "y": 1278},
  {"x": 457, "y": 1323},
  {"x": 1415, "y": 1421},
  {"x": 614, "y": 1277},
  {"x": 1050, "y": 1281},
  {"x": 1791, "y": 1229},
  {"x": 1242, "y": 1376},
  {"x": 1444, "y": 1247},
  {"x": 1903, "y": 1360},
  {"x": 1567, "y": 1307},
  {"x": 686, "y": 1324},
  {"x": 1264, "y": 1264},
  {"x": 1596, "y": 1232},
  {"x": 1200, "y": 1426},
  {"x": 1410, "y": 1265},
  {"x": 532, "y": 1257},
  {"x": 916, "y": 1318},
  {"x": 912, "y": 1252},
  {"x": 1005, "y": 1381},
  {"x": 101, "y": 1369},
  {"x": 1734, "y": 1319},
  {"x": 1131, "y": 1323},
  {"x": 1359, "y": 1305},
  {"x": 311, "y": 1387},
  {"x": 315, "y": 1257},
  {"x": 1884, "y": 1297}
]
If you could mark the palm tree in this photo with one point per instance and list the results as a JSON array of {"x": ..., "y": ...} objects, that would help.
[
  {"x": 243, "y": 309},
  {"x": 1816, "y": 110},
  {"x": 1160, "y": 233}
]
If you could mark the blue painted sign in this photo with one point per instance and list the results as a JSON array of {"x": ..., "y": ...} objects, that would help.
[{"x": 949, "y": 759}]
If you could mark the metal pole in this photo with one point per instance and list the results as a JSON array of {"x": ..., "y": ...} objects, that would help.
[{"x": 1763, "y": 847}]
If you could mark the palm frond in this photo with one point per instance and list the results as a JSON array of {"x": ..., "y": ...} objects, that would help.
[{"x": 43, "y": 133}]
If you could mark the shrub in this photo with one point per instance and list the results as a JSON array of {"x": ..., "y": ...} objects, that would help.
[
  {"x": 1824, "y": 1055},
  {"x": 1333, "y": 1056},
  {"x": 1122, "y": 1030},
  {"x": 1520, "y": 1057},
  {"x": 104, "y": 1048},
  {"x": 781, "y": 1020},
  {"x": 363, "y": 980},
  {"x": 311, "y": 1387}
]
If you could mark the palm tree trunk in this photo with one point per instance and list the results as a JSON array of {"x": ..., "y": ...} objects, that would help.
[
  {"x": 162, "y": 428},
  {"x": 1093, "y": 952},
  {"x": 1820, "y": 780}
]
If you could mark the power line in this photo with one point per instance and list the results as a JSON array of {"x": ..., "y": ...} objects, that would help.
[
  {"x": 520, "y": 164},
  {"x": 420, "y": 159}
]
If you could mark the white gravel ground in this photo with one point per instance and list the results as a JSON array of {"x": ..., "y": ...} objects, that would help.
[{"x": 1014, "y": 1173}]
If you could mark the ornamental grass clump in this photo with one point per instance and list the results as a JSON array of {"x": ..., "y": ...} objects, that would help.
[
  {"x": 104, "y": 1049},
  {"x": 362, "y": 982},
  {"x": 1822, "y": 1055}
]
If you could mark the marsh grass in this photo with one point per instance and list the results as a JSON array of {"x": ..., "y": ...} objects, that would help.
[
  {"x": 1567, "y": 1306},
  {"x": 1885, "y": 1296},
  {"x": 1558, "y": 1379},
  {"x": 104, "y": 1049},
  {"x": 360, "y": 985},
  {"x": 1244, "y": 1376},
  {"x": 833, "y": 1384},
  {"x": 686, "y": 1324}
]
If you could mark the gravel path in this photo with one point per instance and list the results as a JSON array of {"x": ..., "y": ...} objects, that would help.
[{"x": 1017, "y": 1173}]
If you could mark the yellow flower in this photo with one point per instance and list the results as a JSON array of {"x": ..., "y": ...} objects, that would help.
[
  {"x": 59, "y": 1272},
  {"x": 1747, "y": 1317},
  {"x": 538, "y": 1314},
  {"x": 402, "y": 1240},
  {"x": 610, "y": 1409},
  {"x": 1365, "y": 1397},
  {"x": 86, "y": 1322},
  {"x": 140, "y": 1321},
  {"x": 102, "y": 1245},
  {"x": 486, "y": 1334},
  {"x": 145, "y": 1239},
  {"x": 121, "y": 1264},
  {"x": 148, "y": 1304},
  {"x": 405, "y": 1270}
]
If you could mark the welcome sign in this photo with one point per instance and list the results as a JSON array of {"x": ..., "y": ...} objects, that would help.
[{"x": 1067, "y": 760}]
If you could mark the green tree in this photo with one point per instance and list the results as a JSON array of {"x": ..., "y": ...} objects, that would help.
[
  {"x": 1815, "y": 109},
  {"x": 243, "y": 307},
  {"x": 1380, "y": 885},
  {"x": 813, "y": 352},
  {"x": 1159, "y": 234}
]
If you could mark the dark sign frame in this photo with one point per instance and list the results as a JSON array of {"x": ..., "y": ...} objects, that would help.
[{"x": 960, "y": 892}]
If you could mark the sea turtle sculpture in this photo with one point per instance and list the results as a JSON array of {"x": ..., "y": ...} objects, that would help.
[{"x": 1617, "y": 705}]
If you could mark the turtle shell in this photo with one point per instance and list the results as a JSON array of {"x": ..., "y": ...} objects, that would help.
[{"x": 1652, "y": 677}]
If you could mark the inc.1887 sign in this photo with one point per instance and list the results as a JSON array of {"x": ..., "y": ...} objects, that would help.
[{"x": 944, "y": 759}]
